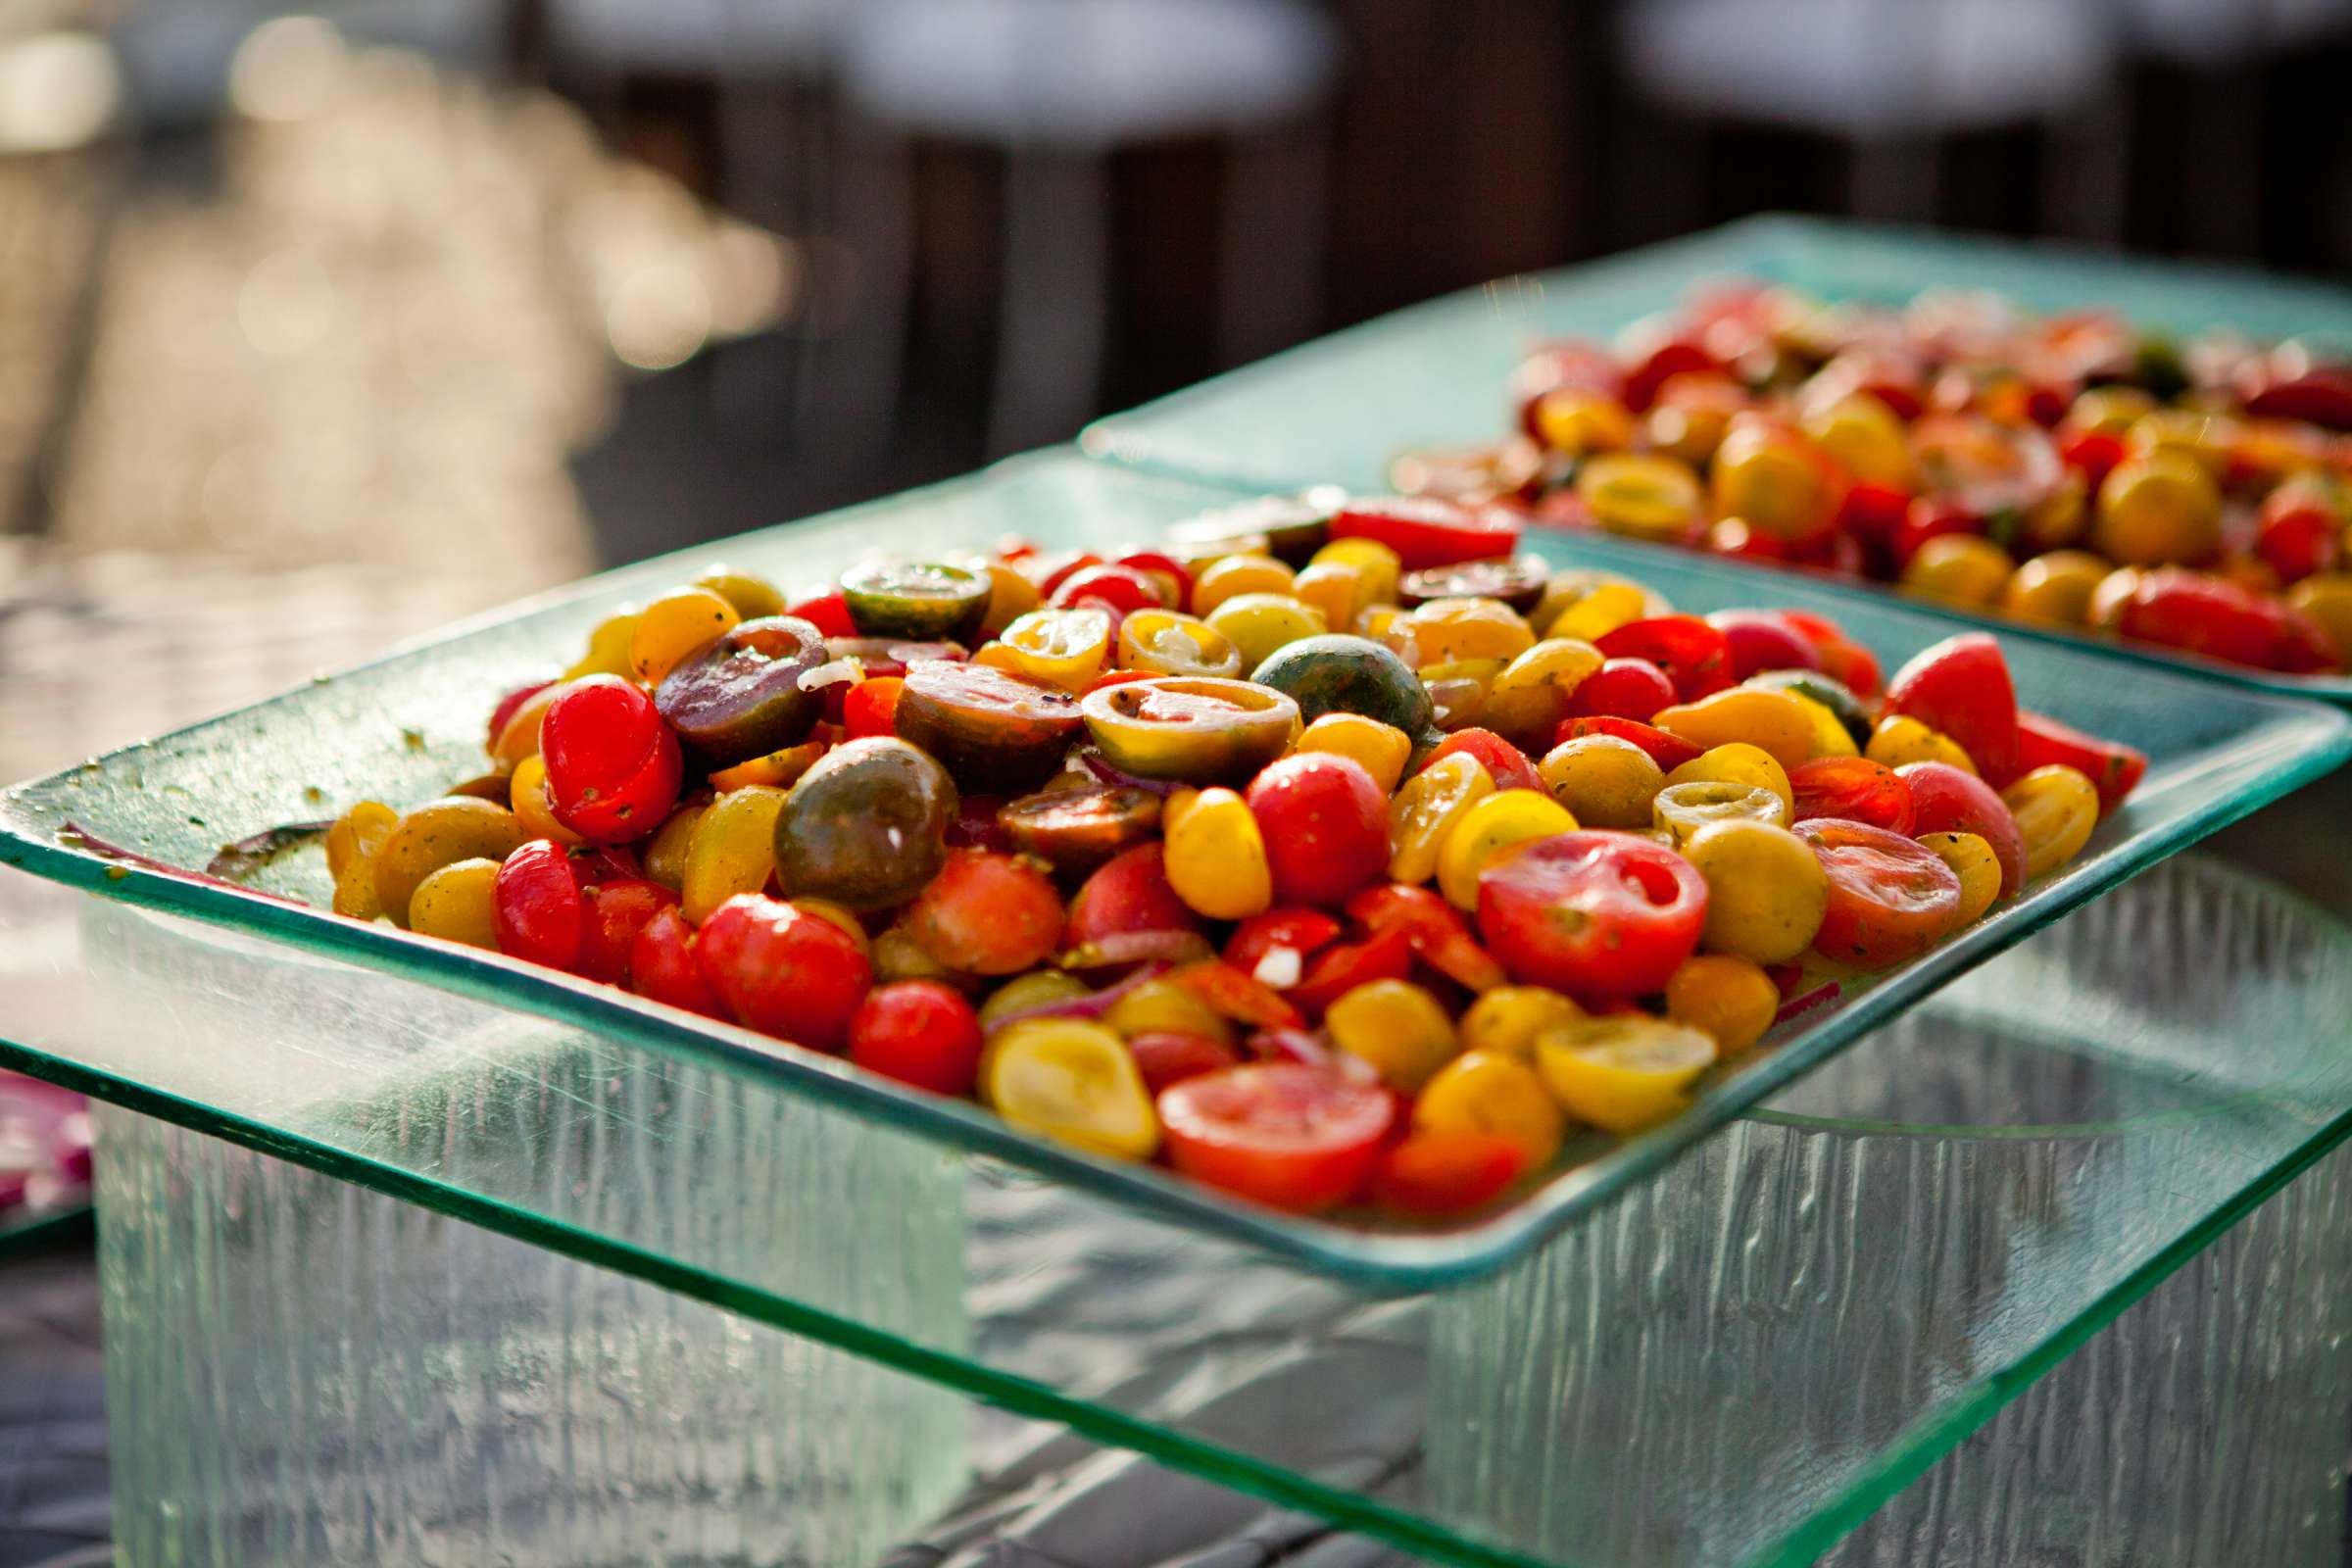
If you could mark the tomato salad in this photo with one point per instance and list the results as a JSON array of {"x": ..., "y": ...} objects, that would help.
[
  {"x": 2062, "y": 469},
  {"x": 1335, "y": 856}
]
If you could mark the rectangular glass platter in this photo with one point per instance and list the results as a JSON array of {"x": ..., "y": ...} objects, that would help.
[
  {"x": 404, "y": 727},
  {"x": 1342, "y": 409}
]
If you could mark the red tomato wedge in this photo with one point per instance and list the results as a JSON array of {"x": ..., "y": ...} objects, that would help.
[
  {"x": 1426, "y": 531},
  {"x": 1854, "y": 788},
  {"x": 1597, "y": 914},
  {"x": 1283, "y": 1134},
  {"x": 1891, "y": 897},
  {"x": 1961, "y": 686},
  {"x": 2113, "y": 768}
]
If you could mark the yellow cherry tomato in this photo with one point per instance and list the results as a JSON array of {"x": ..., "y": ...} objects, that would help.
[
  {"x": 1727, "y": 997},
  {"x": 1593, "y": 615},
  {"x": 2157, "y": 507},
  {"x": 1073, "y": 1082},
  {"x": 2206, "y": 439},
  {"x": 754, "y": 597},
  {"x": 1768, "y": 720},
  {"x": 1235, "y": 575},
  {"x": 1506, "y": 1020},
  {"x": 2055, "y": 589},
  {"x": 1739, "y": 762},
  {"x": 1491, "y": 829},
  {"x": 1861, "y": 434},
  {"x": 1216, "y": 858},
  {"x": 1383, "y": 750},
  {"x": 1169, "y": 644},
  {"x": 733, "y": 849},
  {"x": 1448, "y": 630},
  {"x": 1036, "y": 989},
  {"x": 1259, "y": 624},
  {"x": 2056, "y": 807},
  {"x": 357, "y": 833},
  {"x": 1576, "y": 420},
  {"x": 1432, "y": 805},
  {"x": 1010, "y": 596},
  {"x": 1494, "y": 1092},
  {"x": 1162, "y": 1005},
  {"x": 1768, "y": 479},
  {"x": 1623, "y": 1072},
  {"x": 526, "y": 797},
  {"x": 1528, "y": 696},
  {"x": 609, "y": 646},
  {"x": 665, "y": 856},
  {"x": 2327, "y": 597},
  {"x": 2108, "y": 410},
  {"x": 1397, "y": 1027},
  {"x": 1604, "y": 781},
  {"x": 1974, "y": 863},
  {"x": 1766, "y": 892},
  {"x": 1830, "y": 735},
  {"x": 1382, "y": 567},
  {"x": 438, "y": 833},
  {"x": 1063, "y": 648},
  {"x": 355, "y": 892},
  {"x": 456, "y": 904},
  {"x": 1336, "y": 591},
  {"x": 1682, "y": 809},
  {"x": 1647, "y": 495},
  {"x": 675, "y": 627},
  {"x": 1964, "y": 570},
  {"x": 1900, "y": 739}
]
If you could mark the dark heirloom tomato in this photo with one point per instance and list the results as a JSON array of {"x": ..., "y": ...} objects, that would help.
[
  {"x": 1518, "y": 582},
  {"x": 783, "y": 971},
  {"x": 1854, "y": 788},
  {"x": 536, "y": 908},
  {"x": 1622, "y": 688},
  {"x": 1198, "y": 728},
  {"x": 991, "y": 729},
  {"x": 1325, "y": 823},
  {"x": 1130, "y": 893},
  {"x": 1761, "y": 640},
  {"x": 1283, "y": 1134},
  {"x": 1669, "y": 751},
  {"x": 742, "y": 697},
  {"x": 1961, "y": 687},
  {"x": 1506, "y": 764},
  {"x": 1595, "y": 914},
  {"x": 924, "y": 601},
  {"x": 1447, "y": 1172},
  {"x": 616, "y": 913},
  {"x": 986, "y": 913},
  {"x": 1891, "y": 897},
  {"x": 919, "y": 1032},
  {"x": 1696, "y": 657},
  {"x": 1076, "y": 831},
  {"x": 2113, "y": 768},
  {"x": 613, "y": 763},
  {"x": 663, "y": 968},
  {"x": 1336, "y": 673},
  {"x": 1426, "y": 531},
  {"x": 1949, "y": 799},
  {"x": 867, "y": 826}
]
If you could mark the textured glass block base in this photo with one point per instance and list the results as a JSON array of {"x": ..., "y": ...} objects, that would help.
[{"x": 302, "y": 1372}]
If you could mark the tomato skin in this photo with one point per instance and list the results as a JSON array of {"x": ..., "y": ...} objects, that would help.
[
  {"x": 1165, "y": 1057},
  {"x": 1694, "y": 656},
  {"x": 1853, "y": 788},
  {"x": 1592, "y": 913},
  {"x": 2113, "y": 768},
  {"x": 1325, "y": 822},
  {"x": 1438, "y": 1173},
  {"x": 1949, "y": 799},
  {"x": 1426, "y": 531},
  {"x": 1891, "y": 897},
  {"x": 663, "y": 968},
  {"x": 1303, "y": 932},
  {"x": 1669, "y": 751},
  {"x": 870, "y": 707},
  {"x": 1288, "y": 1135},
  {"x": 1129, "y": 892},
  {"x": 537, "y": 907},
  {"x": 1506, "y": 764},
  {"x": 1339, "y": 969},
  {"x": 986, "y": 913},
  {"x": 919, "y": 1032},
  {"x": 1622, "y": 688},
  {"x": 1961, "y": 686},
  {"x": 616, "y": 912},
  {"x": 1759, "y": 640},
  {"x": 783, "y": 971}
]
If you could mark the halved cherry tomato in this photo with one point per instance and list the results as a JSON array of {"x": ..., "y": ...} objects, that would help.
[
  {"x": 1325, "y": 824},
  {"x": 1435, "y": 929},
  {"x": 1130, "y": 892},
  {"x": 2113, "y": 768},
  {"x": 1595, "y": 914},
  {"x": 1622, "y": 688},
  {"x": 1124, "y": 589},
  {"x": 1426, "y": 531},
  {"x": 616, "y": 912},
  {"x": 1506, "y": 764},
  {"x": 782, "y": 970},
  {"x": 1961, "y": 686},
  {"x": 1165, "y": 1057},
  {"x": 869, "y": 706},
  {"x": 919, "y": 1032},
  {"x": 1447, "y": 1172},
  {"x": 1852, "y": 788},
  {"x": 1669, "y": 751},
  {"x": 986, "y": 913},
  {"x": 663, "y": 966},
  {"x": 1891, "y": 897},
  {"x": 1949, "y": 799},
  {"x": 1696, "y": 657},
  {"x": 614, "y": 765},
  {"x": 1164, "y": 568},
  {"x": 1339, "y": 969},
  {"x": 827, "y": 611},
  {"x": 1283, "y": 1134},
  {"x": 1273, "y": 948}
]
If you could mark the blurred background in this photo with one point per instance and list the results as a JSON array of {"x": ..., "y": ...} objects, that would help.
[{"x": 433, "y": 302}]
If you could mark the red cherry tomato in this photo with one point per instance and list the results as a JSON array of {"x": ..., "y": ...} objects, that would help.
[
  {"x": 1694, "y": 656},
  {"x": 1930, "y": 518},
  {"x": 536, "y": 908},
  {"x": 783, "y": 971},
  {"x": 1125, "y": 589},
  {"x": 1583, "y": 365},
  {"x": 1300, "y": 933},
  {"x": 1873, "y": 514},
  {"x": 1435, "y": 930},
  {"x": 1165, "y": 1056},
  {"x": 1426, "y": 531},
  {"x": 1447, "y": 1173},
  {"x": 1325, "y": 822},
  {"x": 1835, "y": 555},
  {"x": 1760, "y": 640},
  {"x": 612, "y": 762},
  {"x": 663, "y": 968},
  {"x": 1891, "y": 897},
  {"x": 1283, "y": 1134},
  {"x": 1854, "y": 788},
  {"x": 1669, "y": 751},
  {"x": 2305, "y": 647},
  {"x": 1175, "y": 582},
  {"x": 1961, "y": 686},
  {"x": 2093, "y": 453},
  {"x": 510, "y": 701},
  {"x": 2320, "y": 395},
  {"x": 1732, "y": 536},
  {"x": 1340, "y": 968},
  {"x": 1506, "y": 764},
  {"x": 617, "y": 911},
  {"x": 986, "y": 913},
  {"x": 2113, "y": 768},
  {"x": 1129, "y": 892},
  {"x": 2198, "y": 613},
  {"x": 827, "y": 610},
  {"x": 1595, "y": 914},
  {"x": 919, "y": 1032},
  {"x": 1675, "y": 357},
  {"x": 1622, "y": 688},
  {"x": 2301, "y": 533},
  {"x": 870, "y": 707},
  {"x": 1843, "y": 660},
  {"x": 1949, "y": 800},
  {"x": 1050, "y": 572}
]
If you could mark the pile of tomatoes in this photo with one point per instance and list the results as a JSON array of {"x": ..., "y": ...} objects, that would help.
[
  {"x": 1337, "y": 855},
  {"x": 2058, "y": 470}
]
